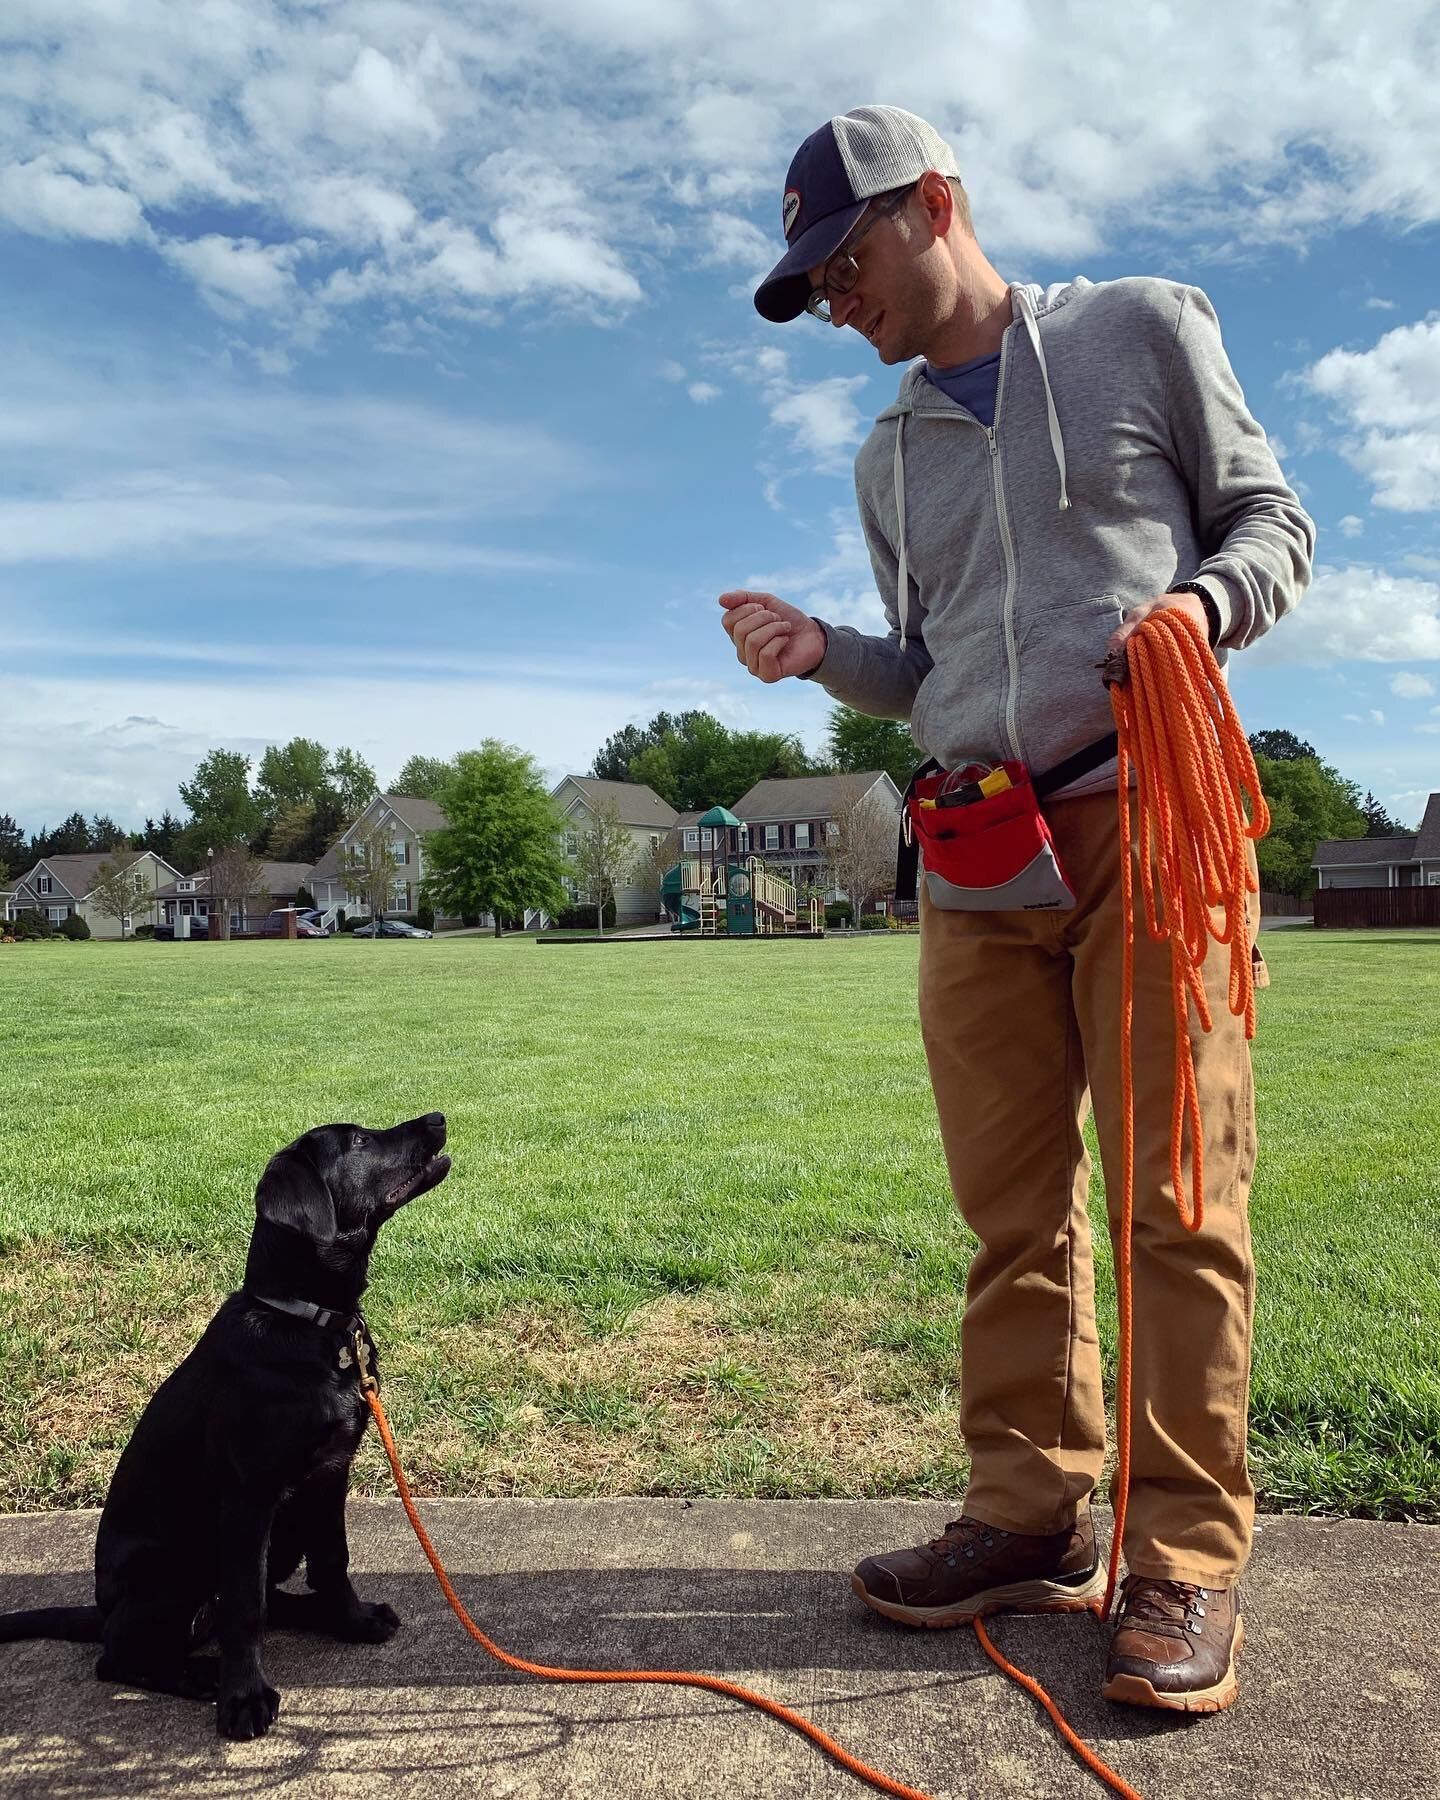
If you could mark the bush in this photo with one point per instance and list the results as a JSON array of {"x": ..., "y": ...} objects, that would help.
[
  {"x": 839, "y": 913},
  {"x": 303, "y": 896},
  {"x": 872, "y": 921},
  {"x": 31, "y": 925},
  {"x": 77, "y": 930},
  {"x": 425, "y": 916},
  {"x": 582, "y": 917},
  {"x": 340, "y": 917}
]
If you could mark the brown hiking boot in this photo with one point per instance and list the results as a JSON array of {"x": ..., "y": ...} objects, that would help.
[
  {"x": 1175, "y": 1646},
  {"x": 973, "y": 1568}
]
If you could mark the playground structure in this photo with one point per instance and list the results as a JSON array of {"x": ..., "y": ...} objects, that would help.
[{"x": 725, "y": 890}]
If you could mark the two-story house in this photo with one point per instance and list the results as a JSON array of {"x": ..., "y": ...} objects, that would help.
[
  {"x": 61, "y": 885},
  {"x": 403, "y": 820},
  {"x": 790, "y": 823},
  {"x": 651, "y": 824}
]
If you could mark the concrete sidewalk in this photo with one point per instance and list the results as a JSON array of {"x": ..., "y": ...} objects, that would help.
[{"x": 1338, "y": 1676}]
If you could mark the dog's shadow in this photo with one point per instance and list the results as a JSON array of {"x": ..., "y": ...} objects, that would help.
[{"x": 433, "y": 1699}]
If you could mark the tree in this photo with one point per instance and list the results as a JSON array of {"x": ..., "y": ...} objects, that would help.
[
  {"x": 351, "y": 780},
  {"x": 235, "y": 877},
  {"x": 12, "y": 848},
  {"x": 70, "y": 839},
  {"x": 1278, "y": 745},
  {"x": 1308, "y": 801},
  {"x": 292, "y": 834},
  {"x": 695, "y": 762},
  {"x": 161, "y": 838},
  {"x": 1378, "y": 822},
  {"x": 858, "y": 743},
  {"x": 618, "y": 752},
  {"x": 369, "y": 873},
  {"x": 223, "y": 811},
  {"x": 105, "y": 834},
  {"x": 605, "y": 859},
  {"x": 120, "y": 888},
  {"x": 424, "y": 776},
  {"x": 500, "y": 852},
  {"x": 860, "y": 858}
]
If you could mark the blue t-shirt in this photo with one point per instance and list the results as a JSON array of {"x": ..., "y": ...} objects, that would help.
[{"x": 971, "y": 385}]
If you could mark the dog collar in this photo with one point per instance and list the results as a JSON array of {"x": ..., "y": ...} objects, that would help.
[{"x": 302, "y": 1309}]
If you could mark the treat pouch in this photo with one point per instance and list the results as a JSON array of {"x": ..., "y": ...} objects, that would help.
[{"x": 989, "y": 853}]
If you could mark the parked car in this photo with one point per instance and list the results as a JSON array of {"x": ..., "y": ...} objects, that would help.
[
  {"x": 392, "y": 928},
  {"x": 312, "y": 915},
  {"x": 166, "y": 933},
  {"x": 274, "y": 925}
]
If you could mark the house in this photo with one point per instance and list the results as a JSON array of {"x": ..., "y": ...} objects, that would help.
[
  {"x": 188, "y": 896},
  {"x": 650, "y": 822},
  {"x": 61, "y": 885},
  {"x": 791, "y": 821},
  {"x": 404, "y": 819},
  {"x": 1410, "y": 860}
]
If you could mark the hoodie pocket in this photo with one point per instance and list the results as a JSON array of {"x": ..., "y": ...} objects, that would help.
[{"x": 1063, "y": 703}]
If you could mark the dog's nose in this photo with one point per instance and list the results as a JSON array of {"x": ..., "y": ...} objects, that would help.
[{"x": 436, "y": 1121}]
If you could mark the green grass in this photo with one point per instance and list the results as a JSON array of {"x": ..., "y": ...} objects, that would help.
[{"x": 698, "y": 1238}]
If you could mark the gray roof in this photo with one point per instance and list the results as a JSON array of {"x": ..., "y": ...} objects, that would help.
[
  {"x": 636, "y": 803},
  {"x": 419, "y": 815},
  {"x": 807, "y": 796},
  {"x": 1339, "y": 853},
  {"x": 76, "y": 874},
  {"x": 277, "y": 878},
  {"x": 1427, "y": 844}
]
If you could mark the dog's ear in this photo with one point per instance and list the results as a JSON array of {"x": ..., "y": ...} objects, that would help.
[{"x": 293, "y": 1194}]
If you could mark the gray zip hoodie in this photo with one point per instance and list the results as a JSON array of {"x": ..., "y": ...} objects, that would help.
[{"x": 1122, "y": 459}]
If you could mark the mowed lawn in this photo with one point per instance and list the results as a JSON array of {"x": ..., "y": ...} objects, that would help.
[{"x": 698, "y": 1237}]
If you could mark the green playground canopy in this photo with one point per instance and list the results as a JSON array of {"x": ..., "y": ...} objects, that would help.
[{"x": 717, "y": 815}]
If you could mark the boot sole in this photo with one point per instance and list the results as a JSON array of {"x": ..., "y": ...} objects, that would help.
[
  {"x": 1017, "y": 1596},
  {"x": 1134, "y": 1690}
]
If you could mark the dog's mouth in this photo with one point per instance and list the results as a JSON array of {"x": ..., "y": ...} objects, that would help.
[{"x": 431, "y": 1175}]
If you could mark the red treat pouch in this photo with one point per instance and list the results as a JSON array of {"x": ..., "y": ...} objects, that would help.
[{"x": 985, "y": 852}]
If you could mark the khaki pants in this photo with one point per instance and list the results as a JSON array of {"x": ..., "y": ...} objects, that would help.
[{"x": 1021, "y": 1020}]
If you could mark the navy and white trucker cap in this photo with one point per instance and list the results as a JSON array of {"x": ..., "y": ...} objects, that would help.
[{"x": 836, "y": 172}]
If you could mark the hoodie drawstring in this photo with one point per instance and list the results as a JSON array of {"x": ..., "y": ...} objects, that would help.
[{"x": 1057, "y": 443}]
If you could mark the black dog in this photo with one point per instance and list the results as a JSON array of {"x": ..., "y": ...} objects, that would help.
[{"x": 239, "y": 1465}]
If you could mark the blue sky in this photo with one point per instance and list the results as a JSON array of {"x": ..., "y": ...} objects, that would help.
[{"x": 386, "y": 372}]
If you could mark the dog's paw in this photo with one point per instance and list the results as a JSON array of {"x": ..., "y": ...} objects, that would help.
[
  {"x": 248, "y": 1714},
  {"x": 372, "y": 1622}
]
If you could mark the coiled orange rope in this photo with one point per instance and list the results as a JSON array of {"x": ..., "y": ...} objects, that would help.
[
  {"x": 1177, "y": 728},
  {"x": 1193, "y": 773}
]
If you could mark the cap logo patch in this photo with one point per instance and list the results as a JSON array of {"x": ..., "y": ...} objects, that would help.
[{"x": 791, "y": 208}]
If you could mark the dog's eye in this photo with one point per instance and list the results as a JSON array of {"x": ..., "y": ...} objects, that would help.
[{"x": 358, "y": 1140}]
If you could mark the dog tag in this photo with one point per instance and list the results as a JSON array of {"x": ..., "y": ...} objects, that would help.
[{"x": 347, "y": 1361}]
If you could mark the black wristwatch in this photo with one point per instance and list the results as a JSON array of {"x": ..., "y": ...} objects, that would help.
[{"x": 1212, "y": 611}]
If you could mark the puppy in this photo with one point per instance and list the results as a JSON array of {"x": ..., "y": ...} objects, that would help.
[{"x": 240, "y": 1463}]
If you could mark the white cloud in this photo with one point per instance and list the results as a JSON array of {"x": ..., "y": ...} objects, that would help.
[
  {"x": 184, "y": 105},
  {"x": 1355, "y": 614},
  {"x": 40, "y": 198},
  {"x": 823, "y": 419},
  {"x": 1389, "y": 397},
  {"x": 1351, "y": 525},
  {"x": 839, "y": 585},
  {"x": 238, "y": 272},
  {"x": 703, "y": 392},
  {"x": 1376, "y": 304},
  {"x": 1411, "y": 687}
]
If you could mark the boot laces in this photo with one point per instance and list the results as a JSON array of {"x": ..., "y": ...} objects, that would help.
[
  {"x": 1159, "y": 1607},
  {"x": 963, "y": 1537}
]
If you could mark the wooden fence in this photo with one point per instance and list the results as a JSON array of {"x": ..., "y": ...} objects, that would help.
[
  {"x": 1347, "y": 907},
  {"x": 1284, "y": 906}
]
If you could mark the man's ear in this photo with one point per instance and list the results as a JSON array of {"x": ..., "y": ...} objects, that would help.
[{"x": 292, "y": 1194}]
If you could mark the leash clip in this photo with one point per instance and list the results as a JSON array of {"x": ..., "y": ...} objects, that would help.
[{"x": 368, "y": 1383}]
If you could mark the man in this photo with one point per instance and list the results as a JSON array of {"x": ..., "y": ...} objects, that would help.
[{"x": 1060, "y": 464}]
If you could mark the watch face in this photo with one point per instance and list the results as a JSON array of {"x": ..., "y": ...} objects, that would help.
[{"x": 740, "y": 885}]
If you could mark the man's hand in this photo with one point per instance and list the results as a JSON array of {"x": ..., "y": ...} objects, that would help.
[
  {"x": 1190, "y": 604},
  {"x": 771, "y": 638}
]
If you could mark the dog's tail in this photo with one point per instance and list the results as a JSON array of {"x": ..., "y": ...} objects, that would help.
[{"x": 75, "y": 1624}]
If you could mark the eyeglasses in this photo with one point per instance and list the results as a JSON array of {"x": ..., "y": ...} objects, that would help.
[{"x": 842, "y": 271}]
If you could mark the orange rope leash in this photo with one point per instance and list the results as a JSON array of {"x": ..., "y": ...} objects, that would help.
[
  {"x": 1193, "y": 770},
  {"x": 1178, "y": 729}
]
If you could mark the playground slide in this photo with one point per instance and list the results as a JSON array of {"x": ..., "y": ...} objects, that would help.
[{"x": 689, "y": 919}]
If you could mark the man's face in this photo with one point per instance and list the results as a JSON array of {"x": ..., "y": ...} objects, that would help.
[{"x": 896, "y": 303}]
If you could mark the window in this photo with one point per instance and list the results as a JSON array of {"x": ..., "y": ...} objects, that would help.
[
  {"x": 42, "y": 885},
  {"x": 572, "y": 843},
  {"x": 57, "y": 914},
  {"x": 772, "y": 837},
  {"x": 654, "y": 840},
  {"x": 400, "y": 897},
  {"x": 692, "y": 838},
  {"x": 707, "y": 838},
  {"x": 400, "y": 849},
  {"x": 832, "y": 831},
  {"x": 185, "y": 887},
  {"x": 802, "y": 837}
]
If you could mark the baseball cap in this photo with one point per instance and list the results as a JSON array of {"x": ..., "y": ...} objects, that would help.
[{"x": 835, "y": 173}]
